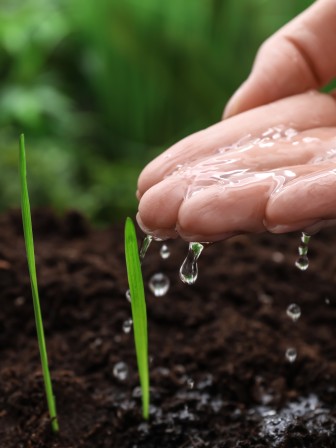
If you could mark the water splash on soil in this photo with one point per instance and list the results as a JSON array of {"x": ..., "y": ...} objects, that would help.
[{"x": 309, "y": 410}]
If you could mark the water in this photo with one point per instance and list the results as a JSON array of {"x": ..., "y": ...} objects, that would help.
[
  {"x": 159, "y": 284},
  {"x": 293, "y": 311},
  {"x": 146, "y": 242},
  {"x": 252, "y": 159},
  {"x": 291, "y": 354},
  {"x": 120, "y": 371},
  {"x": 127, "y": 326},
  {"x": 164, "y": 252},
  {"x": 189, "y": 269},
  {"x": 302, "y": 262},
  {"x": 128, "y": 295},
  {"x": 275, "y": 423}
]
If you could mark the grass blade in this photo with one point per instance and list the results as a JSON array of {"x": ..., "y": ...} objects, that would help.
[
  {"x": 139, "y": 313},
  {"x": 29, "y": 242}
]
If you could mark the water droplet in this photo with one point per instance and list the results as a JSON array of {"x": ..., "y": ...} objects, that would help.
[
  {"x": 146, "y": 242},
  {"x": 293, "y": 311},
  {"x": 327, "y": 301},
  {"x": 305, "y": 238},
  {"x": 189, "y": 270},
  {"x": 303, "y": 250},
  {"x": 302, "y": 263},
  {"x": 190, "y": 383},
  {"x": 120, "y": 371},
  {"x": 127, "y": 326},
  {"x": 159, "y": 284},
  {"x": 128, "y": 295},
  {"x": 291, "y": 354},
  {"x": 164, "y": 252}
]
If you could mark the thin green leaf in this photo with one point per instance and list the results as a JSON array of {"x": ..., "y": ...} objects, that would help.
[
  {"x": 139, "y": 313},
  {"x": 29, "y": 242}
]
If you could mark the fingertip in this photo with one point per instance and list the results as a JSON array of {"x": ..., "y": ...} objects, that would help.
[
  {"x": 159, "y": 206},
  {"x": 233, "y": 106}
]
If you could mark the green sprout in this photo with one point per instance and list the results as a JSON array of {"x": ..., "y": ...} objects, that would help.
[
  {"x": 139, "y": 313},
  {"x": 29, "y": 242}
]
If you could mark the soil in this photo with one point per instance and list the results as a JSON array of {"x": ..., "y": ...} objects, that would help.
[{"x": 219, "y": 375}]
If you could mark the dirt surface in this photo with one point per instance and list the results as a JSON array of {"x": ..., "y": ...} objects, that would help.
[{"x": 219, "y": 375}]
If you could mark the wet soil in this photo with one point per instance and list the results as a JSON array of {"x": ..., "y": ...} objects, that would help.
[{"x": 219, "y": 375}]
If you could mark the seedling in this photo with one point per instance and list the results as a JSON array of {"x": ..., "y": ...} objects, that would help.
[
  {"x": 139, "y": 313},
  {"x": 29, "y": 242}
]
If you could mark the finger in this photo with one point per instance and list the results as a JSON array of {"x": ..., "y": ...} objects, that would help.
[
  {"x": 303, "y": 202},
  {"x": 305, "y": 111},
  {"x": 159, "y": 206},
  {"x": 299, "y": 57}
]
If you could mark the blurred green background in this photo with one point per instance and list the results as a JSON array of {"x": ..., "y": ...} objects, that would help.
[{"x": 99, "y": 87}]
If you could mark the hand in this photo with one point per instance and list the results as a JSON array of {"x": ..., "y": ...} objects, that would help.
[{"x": 209, "y": 187}]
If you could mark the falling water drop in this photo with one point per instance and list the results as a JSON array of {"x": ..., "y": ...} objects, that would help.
[
  {"x": 305, "y": 238},
  {"x": 146, "y": 242},
  {"x": 291, "y": 354},
  {"x": 127, "y": 326},
  {"x": 164, "y": 252},
  {"x": 128, "y": 295},
  {"x": 159, "y": 284},
  {"x": 120, "y": 371},
  {"x": 189, "y": 270},
  {"x": 302, "y": 262},
  {"x": 293, "y": 311}
]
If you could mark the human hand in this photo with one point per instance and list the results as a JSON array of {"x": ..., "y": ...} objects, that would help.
[{"x": 213, "y": 185}]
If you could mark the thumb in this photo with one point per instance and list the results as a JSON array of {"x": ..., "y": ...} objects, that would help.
[{"x": 299, "y": 57}]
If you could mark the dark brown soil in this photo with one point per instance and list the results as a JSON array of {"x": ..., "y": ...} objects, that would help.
[{"x": 219, "y": 376}]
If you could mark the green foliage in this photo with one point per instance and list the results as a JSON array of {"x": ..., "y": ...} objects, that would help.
[
  {"x": 102, "y": 86},
  {"x": 28, "y": 236},
  {"x": 139, "y": 313}
]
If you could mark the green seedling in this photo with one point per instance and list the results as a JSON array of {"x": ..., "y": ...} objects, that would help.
[
  {"x": 139, "y": 313},
  {"x": 29, "y": 242}
]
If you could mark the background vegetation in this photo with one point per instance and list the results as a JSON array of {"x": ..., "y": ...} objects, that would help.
[{"x": 99, "y": 87}]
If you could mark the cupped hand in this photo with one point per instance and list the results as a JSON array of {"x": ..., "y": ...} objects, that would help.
[{"x": 270, "y": 168}]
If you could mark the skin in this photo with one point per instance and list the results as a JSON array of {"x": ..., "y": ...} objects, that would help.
[{"x": 282, "y": 89}]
